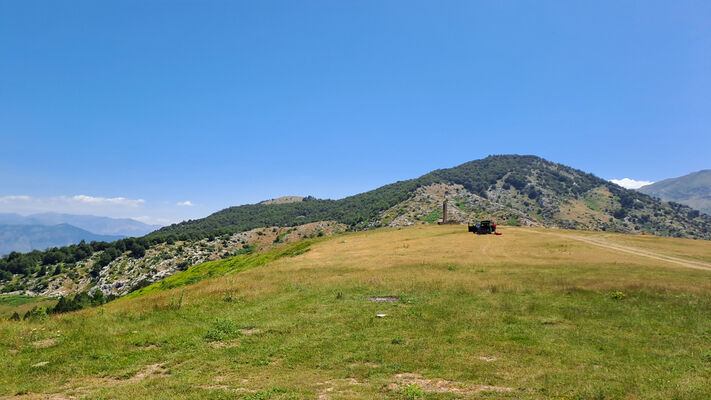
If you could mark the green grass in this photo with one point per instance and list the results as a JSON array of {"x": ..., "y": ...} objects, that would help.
[
  {"x": 592, "y": 203},
  {"x": 542, "y": 315},
  {"x": 16, "y": 300},
  {"x": 434, "y": 216},
  {"x": 21, "y": 304},
  {"x": 214, "y": 269}
]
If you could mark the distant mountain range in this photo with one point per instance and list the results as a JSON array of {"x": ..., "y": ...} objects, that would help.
[
  {"x": 24, "y": 238},
  {"x": 40, "y": 231},
  {"x": 98, "y": 225},
  {"x": 693, "y": 190}
]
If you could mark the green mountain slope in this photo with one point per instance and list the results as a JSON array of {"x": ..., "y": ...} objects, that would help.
[
  {"x": 509, "y": 187},
  {"x": 693, "y": 190}
]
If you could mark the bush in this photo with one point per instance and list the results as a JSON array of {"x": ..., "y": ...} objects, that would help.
[
  {"x": 617, "y": 295},
  {"x": 37, "y": 314}
]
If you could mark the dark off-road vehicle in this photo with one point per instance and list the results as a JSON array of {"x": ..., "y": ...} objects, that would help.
[{"x": 483, "y": 228}]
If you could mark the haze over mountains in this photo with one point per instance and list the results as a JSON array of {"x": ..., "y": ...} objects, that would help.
[
  {"x": 693, "y": 190},
  {"x": 43, "y": 230},
  {"x": 94, "y": 224},
  {"x": 24, "y": 238}
]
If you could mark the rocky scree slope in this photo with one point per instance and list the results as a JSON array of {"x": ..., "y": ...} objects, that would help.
[{"x": 127, "y": 273}]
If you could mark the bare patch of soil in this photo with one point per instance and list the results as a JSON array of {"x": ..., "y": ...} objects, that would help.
[
  {"x": 439, "y": 385},
  {"x": 40, "y": 344},
  {"x": 340, "y": 386},
  {"x": 153, "y": 370},
  {"x": 224, "y": 345}
]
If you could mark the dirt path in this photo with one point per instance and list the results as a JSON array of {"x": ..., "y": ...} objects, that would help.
[{"x": 634, "y": 250}]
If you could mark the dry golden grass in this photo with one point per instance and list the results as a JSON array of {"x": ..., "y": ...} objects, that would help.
[{"x": 532, "y": 314}]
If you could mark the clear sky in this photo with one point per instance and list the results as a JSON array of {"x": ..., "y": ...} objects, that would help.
[{"x": 127, "y": 108}]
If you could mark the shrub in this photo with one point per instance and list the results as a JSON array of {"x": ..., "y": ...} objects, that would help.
[
  {"x": 37, "y": 314},
  {"x": 617, "y": 295}
]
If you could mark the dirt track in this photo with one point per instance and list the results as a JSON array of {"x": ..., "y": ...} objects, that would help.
[{"x": 634, "y": 250}]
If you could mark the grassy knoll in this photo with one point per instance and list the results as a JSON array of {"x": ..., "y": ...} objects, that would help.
[
  {"x": 521, "y": 316},
  {"x": 21, "y": 304}
]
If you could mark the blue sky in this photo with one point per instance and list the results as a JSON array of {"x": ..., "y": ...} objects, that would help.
[{"x": 140, "y": 105}]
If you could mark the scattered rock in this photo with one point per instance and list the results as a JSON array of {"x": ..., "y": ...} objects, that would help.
[
  {"x": 381, "y": 315},
  {"x": 387, "y": 299},
  {"x": 252, "y": 331},
  {"x": 40, "y": 364},
  {"x": 487, "y": 359}
]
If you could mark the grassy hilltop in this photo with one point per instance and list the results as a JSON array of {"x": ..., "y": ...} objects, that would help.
[{"x": 533, "y": 314}]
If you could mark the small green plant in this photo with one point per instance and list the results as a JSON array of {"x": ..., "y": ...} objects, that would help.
[
  {"x": 451, "y": 267},
  {"x": 37, "y": 314},
  {"x": 707, "y": 356},
  {"x": 397, "y": 340},
  {"x": 513, "y": 222},
  {"x": 176, "y": 305},
  {"x": 230, "y": 297},
  {"x": 221, "y": 329},
  {"x": 412, "y": 392},
  {"x": 339, "y": 295},
  {"x": 617, "y": 295}
]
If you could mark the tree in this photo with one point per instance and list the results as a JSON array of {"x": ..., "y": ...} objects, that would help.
[
  {"x": 98, "y": 298},
  {"x": 138, "y": 251}
]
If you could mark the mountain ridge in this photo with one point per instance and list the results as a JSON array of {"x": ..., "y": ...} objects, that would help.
[
  {"x": 530, "y": 187},
  {"x": 693, "y": 190},
  {"x": 25, "y": 238},
  {"x": 92, "y": 223}
]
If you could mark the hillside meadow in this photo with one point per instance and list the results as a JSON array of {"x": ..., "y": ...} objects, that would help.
[{"x": 425, "y": 312}]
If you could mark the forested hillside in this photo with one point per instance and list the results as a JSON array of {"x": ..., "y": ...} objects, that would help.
[{"x": 536, "y": 188}]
